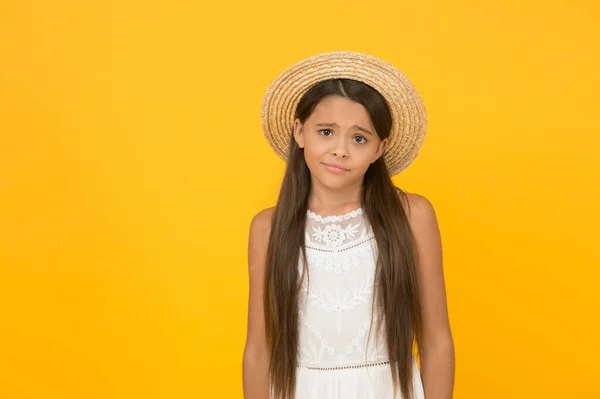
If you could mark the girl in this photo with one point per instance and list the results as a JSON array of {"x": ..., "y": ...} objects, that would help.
[{"x": 346, "y": 271}]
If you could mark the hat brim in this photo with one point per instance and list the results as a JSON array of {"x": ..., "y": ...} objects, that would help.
[{"x": 409, "y": 119}]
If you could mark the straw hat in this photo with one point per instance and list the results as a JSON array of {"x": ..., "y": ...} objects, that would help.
[{"x": 408, "y": 112}]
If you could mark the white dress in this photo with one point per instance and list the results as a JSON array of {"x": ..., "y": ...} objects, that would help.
[{"x": 334, "y": 360}]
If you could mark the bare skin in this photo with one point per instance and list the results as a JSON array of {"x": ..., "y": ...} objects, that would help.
[
  {"x": 349, "y": 144},
  {"x": 255, "y": 364},
  {"x": 437, "y": 353}
]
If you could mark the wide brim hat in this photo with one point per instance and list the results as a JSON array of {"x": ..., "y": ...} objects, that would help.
[{"x": 409, "y": 119}]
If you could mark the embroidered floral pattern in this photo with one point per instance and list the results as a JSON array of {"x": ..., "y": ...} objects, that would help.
[
  {"x": 317, "y": 347},
  {"x": 335, "y": 302},
  {"x": 351, "y": 299},
  {"x": 333, "y": 234},
  {"x": 311, "y": 353},
  {"x": 335, "y": 237},
  {"x": 338, "y": 263}
]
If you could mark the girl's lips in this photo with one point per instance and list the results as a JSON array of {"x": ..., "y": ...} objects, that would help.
[{"x": 334, "y": 169}]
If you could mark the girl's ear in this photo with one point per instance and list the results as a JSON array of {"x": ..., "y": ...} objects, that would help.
[
  {"x": 381, "y": 148},
  {"x": 299, "y": 133}
]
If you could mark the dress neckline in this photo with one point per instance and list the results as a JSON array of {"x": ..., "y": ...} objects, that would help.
[{"x": 334, "y": 218}]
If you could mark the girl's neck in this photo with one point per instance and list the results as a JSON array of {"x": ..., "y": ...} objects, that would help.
[{"x": 334, "y": 202}]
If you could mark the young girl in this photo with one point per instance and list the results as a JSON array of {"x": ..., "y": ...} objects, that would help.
[{"x": 346, "y": 270}]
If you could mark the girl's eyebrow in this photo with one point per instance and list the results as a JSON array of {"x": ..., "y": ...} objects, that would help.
[{"x": 333, "y": 124}]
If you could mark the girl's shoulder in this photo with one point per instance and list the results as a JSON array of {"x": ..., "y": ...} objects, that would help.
[
  {"x": 419, "y": 211},
  {"x": 261, "y": 222},
  {"x": 415, "y": 205}
]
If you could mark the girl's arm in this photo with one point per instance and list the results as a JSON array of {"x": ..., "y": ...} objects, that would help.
[
  {"x": 437, "y": 354},
  {"x": 255, "y": 361}
]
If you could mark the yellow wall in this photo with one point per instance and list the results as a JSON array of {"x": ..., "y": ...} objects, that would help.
[{"x": 132, "y": 161}]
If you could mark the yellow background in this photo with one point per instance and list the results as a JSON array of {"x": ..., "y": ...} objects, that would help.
[{"x": 132, "y": 161}]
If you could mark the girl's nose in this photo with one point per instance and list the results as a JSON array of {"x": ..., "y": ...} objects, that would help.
[
  {"x": 339, "y": 152},
  {"x": 340, "y": 149}
]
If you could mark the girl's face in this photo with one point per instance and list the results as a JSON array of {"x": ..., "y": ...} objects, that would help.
[{"x": 339, "y": 132}]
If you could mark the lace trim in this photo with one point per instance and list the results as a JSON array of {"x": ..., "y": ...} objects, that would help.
[
  {"x": 352, "y": 366},
  {"x": 343, "y": 247},
  {"x": 334, "y": 218}
]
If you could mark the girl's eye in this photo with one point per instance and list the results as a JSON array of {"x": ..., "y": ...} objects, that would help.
[{"x": 364, "y": 140}]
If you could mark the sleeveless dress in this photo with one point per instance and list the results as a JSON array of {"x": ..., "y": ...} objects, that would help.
[{"x": 335, "y": 360}]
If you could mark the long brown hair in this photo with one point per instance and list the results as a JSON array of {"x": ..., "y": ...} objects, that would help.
[{"x": 396, "y": 290}]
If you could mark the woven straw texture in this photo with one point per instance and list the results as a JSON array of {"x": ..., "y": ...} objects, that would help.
[{"x": 409, "y": 119}]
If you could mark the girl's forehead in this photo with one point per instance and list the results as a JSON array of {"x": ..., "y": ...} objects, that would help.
[{"x": 340, "y": 110}]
